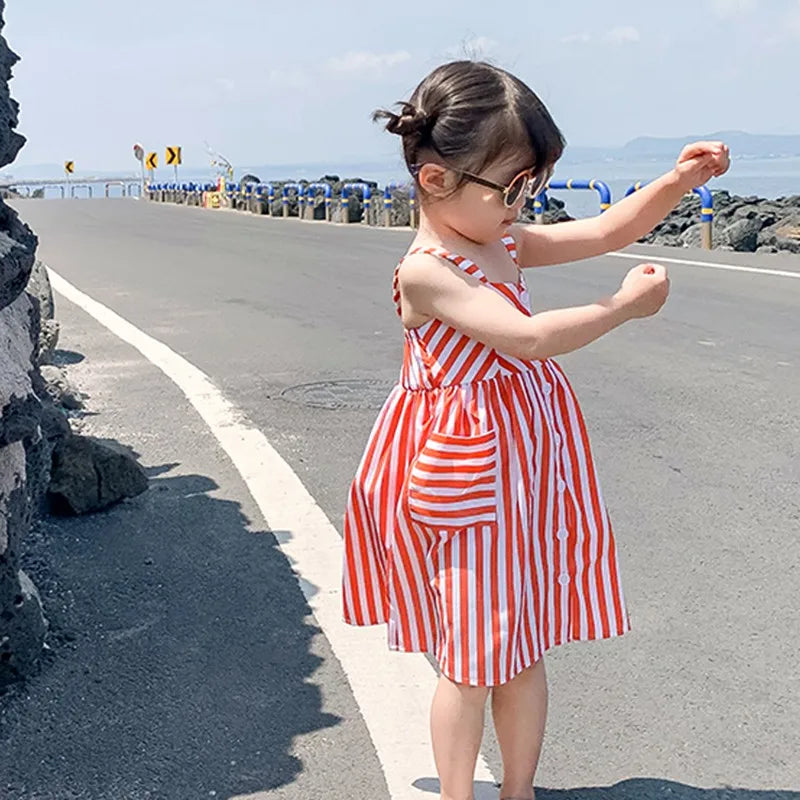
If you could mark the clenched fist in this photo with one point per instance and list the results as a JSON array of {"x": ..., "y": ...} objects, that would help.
[{"x": 644, "y": 290}]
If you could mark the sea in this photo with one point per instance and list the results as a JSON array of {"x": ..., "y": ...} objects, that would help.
[{"x": 764, "y": 177}]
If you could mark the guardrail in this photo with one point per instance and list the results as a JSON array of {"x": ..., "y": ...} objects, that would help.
[
  {"x": 388, "y": 202},
  {"x": 300, "y": 191},
  {"x": 366, "y": 195},
  {"x": 259, "y": 198},
  {"x": 706, "y": 211},
  {"x": 540, "y": 202},
  {"x": 328, "y": 195}
]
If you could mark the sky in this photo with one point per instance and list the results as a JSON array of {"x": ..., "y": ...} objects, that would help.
[{"x": 294, "y": 81}]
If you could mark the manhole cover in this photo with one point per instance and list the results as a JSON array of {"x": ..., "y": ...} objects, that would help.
[{"x": 334, "y": 395}]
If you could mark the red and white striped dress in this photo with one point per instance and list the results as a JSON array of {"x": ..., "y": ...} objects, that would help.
[{"x": 475, "y": 525}]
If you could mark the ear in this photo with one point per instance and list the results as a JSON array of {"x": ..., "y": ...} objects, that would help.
[{"x": 436, "y": 180}]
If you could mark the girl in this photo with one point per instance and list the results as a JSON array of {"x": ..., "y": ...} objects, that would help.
[{"x": 475, "y": 526}]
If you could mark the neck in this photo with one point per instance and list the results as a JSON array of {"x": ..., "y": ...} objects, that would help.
[{"x": 432, "y": 229}]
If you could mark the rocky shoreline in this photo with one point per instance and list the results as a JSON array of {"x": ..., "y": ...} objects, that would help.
[{"x": 744, "y": 224}]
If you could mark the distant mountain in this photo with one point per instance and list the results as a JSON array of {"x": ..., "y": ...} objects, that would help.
[{"x": 742, "y": 144}]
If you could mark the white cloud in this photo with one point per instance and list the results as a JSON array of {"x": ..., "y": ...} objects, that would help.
[
  {"x": 733, "y": 8},
  {"x": 476, "y": 47},
  {"x": 362, "y": 61},
  {"x": 576, "y": 38},
  {"x": 624, "y": 34}
]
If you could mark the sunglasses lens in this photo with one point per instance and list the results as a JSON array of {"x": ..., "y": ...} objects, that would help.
[
  {"x": 515, "y": 190},
  {"x": 538, "y": 185}
]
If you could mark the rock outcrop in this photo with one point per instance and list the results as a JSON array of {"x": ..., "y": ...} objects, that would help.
[{"x": 24, "y": 449}]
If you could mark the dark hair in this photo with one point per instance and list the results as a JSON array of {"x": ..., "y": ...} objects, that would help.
[{"x": 471, "y": 113}]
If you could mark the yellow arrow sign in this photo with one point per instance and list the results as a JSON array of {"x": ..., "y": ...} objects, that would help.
[
  {"x": 173, "y": 155},
  {"x": 69, "y": 167},
  {"x": 152, "y": 160}
]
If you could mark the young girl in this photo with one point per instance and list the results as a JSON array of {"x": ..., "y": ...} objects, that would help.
[{"x": 475, "y": 525}]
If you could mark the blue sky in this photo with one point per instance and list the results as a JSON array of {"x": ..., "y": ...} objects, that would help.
[{"x": 281, "y": 82}]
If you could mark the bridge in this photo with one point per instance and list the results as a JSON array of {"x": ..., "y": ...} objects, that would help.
[
  {"x": 244, "y": 356},
  {"x": 130, "y": 186}
]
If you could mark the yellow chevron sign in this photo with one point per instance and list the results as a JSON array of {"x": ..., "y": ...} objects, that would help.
[
  {"x": 151, "y": 161},
  {"x": 173, "y": 155},
  {"x": 69, "y": 167}
]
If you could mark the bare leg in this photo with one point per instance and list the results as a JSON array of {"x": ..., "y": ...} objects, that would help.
[
  {"x": 457, "y": 716},
  {"x": 519, "y": 710}
]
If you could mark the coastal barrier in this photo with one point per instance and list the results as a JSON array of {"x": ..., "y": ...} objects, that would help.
[
  {"x": 354, "y": 200},
  {"x": 706, "y": 212}
]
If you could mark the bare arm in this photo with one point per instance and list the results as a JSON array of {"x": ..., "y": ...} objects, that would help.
[
  {"x": 627, "y": 220},
  {"x": 438, "y": 290}
]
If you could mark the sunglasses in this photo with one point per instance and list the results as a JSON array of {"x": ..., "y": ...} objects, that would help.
[{"x": 525, "y": 184}]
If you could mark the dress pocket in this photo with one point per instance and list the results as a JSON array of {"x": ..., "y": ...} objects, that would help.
[{"x": 453, "y": 481}]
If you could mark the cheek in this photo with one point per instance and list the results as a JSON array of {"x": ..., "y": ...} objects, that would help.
[{"x": 487, "y": 201}]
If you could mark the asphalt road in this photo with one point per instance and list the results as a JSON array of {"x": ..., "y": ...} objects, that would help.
[{"x": 693, "y": 421}]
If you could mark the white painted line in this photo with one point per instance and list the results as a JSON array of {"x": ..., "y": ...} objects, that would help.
[
  {"x": 781, "y": 273},
  {"x": 393, "y": 690}
]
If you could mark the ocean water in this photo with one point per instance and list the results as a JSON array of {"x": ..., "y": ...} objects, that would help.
[
  {"x": 771, "y": 178},
  {"x": 777, "y": 177}
]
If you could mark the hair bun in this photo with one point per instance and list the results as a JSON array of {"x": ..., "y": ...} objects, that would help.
[{"x": 411, "y": 121}]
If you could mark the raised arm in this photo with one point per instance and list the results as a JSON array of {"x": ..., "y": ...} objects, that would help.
[
  {"x": 436, "y": 290},
  {"x": 627, "y": 220}
]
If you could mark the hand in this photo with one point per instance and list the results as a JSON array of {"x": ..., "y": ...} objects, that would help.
[
  {"x": 701, "y": 161},
  {"x": 644, "y": 290}
]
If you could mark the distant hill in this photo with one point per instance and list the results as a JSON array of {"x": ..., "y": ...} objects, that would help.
[
  {"x": 753, "y": 145},
  {"x": 742, "y": 144}
]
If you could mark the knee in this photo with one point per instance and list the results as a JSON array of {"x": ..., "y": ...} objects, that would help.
[{"x": 474, "y": 695}]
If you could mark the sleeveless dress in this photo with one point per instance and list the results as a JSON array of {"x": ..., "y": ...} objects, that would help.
[{"x": 475, "y": 525}]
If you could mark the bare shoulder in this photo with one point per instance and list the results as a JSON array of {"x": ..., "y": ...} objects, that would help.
[
  {"x": 424, "y": 280},
  {"x": 427, "y": 272}
]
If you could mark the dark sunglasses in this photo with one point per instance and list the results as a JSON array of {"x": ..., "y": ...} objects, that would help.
[{"x": 525, "y": 184}]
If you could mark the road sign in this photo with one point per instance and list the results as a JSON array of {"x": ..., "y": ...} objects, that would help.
[
  {"x": 69, "y": 167},
  {"x": 174, "y": 155},
  {"x": 152, "y": 160},
  {"x": 138, "y": 152}
]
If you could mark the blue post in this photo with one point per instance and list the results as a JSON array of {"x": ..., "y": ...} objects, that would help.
[
  {"x": 412, "y": 205},
  {"x": 366, "y": 193},
  {"x": 599, "y": 186},
  {"x": 539, "y": 205},
  {"x": 300, "y": 189},
  {"x": 387, "y": 203},
  {"x": 312, "y": 187},
  {"x": 706, "y": 211}
]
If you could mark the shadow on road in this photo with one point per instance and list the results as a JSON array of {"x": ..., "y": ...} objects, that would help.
[
  {"x": 181, "y": 662},
  {"x": 632, "y": 789},
  {"x": 656, "y": 789}
]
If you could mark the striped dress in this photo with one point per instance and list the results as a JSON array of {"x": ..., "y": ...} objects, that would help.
[{"x": 475, "y": 525}]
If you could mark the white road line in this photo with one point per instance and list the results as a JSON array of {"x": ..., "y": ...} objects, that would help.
[
  {"x": 393, "y": 690},
  {"x": 781, "y": 273}
]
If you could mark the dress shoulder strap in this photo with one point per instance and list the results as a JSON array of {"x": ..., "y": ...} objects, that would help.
[{"x": 511, "y": 246}]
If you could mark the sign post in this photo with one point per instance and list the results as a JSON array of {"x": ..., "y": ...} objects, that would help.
[
  {"x": 151, "y": 163},
  {"x": 138, "y": 154},
  {"x": 174, "y": 158},
  {"x": 69, "y": 168}
]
